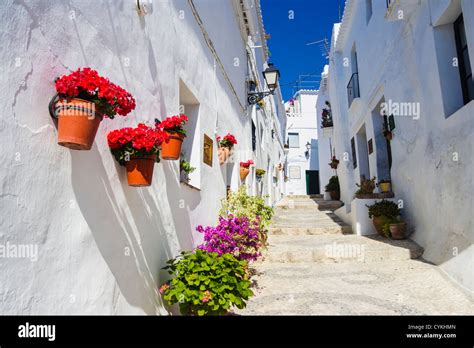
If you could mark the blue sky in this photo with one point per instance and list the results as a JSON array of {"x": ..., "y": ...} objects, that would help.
[{"x": 313, "y": 21}]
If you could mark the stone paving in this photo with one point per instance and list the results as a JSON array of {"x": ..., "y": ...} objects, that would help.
[{"x": 315, "y": 266}]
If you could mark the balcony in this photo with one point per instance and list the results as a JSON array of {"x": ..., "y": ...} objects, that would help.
[{"x": 353, "y": 91}]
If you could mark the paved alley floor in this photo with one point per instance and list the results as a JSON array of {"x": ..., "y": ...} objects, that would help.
[{"x": 315, "y": 266}]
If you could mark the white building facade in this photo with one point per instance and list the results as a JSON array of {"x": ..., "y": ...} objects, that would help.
[
  {"x": 100, "y": 244},
  {"x": 412, "y": 60},
  {"x": 302, "y": 169}
]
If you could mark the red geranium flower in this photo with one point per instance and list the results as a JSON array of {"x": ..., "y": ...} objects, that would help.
[
  {"x": 246, "y": 164},
  {"x": 87, "y": 84},
  {"x": 140, "y": 141},
  {"x": 173, "y": 124},
  {"x": 229, "y": 141}
]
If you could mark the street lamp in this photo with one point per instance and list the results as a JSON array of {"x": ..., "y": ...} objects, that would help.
[
  {"x": 308, "y": 147},
  {"x": 271, "y": 76}
]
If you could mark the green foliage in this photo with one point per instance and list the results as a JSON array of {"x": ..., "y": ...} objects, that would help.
[
  {"x": 260, "y": 172},
  {"x": 240, "y": 204},
  {"x": 186, "y": 166},
  {"x": 366, "y": 186},
  {"x": 333, "y": 184},
  {"x": 385, "y": 222},
  {"x": 384, "y": 208},
  {"x": 206, "y": 283}
]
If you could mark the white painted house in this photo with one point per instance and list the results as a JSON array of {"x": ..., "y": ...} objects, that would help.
[
  {"x": 302, "y": 140},
  {"x": 412, "y": 60},
  {"x": 100, "y": 243}
]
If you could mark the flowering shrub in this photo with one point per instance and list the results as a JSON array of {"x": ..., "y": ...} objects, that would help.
[
  {"x": 233, "y": 235},
  {"x": 240, "y": 204},
  {"x": 140, "y": 141},
  {"x": 229, "y": 141},
  {"x": 206, "y": 283},
  {"x": 246, "y": 164},
  {"x": 174, "y": 124},
  {"x": 87, "y": 84}
]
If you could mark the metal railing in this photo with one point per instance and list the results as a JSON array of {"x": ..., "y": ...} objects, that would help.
[{"x": 353, "y": 88}]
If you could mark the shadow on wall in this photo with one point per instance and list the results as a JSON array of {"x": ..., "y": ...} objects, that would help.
[{"x": 135, "y": 273}]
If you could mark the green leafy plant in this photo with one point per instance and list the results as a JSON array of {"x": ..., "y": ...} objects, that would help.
[
  {"x": 385, "y": 221},
  {"x": 384, "y": 208},
  {"x": 366, "y": 186},
  {"x": 333, "y": 184},
  {"x": 260, "y": 172},
  {"x": 186, "y": 166},
  {"x": 240, "y": 204},
  {"x": 206, "y": 284}
]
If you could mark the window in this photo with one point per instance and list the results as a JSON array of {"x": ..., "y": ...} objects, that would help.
[
  {"x": 254, "y": 137},
  {"x": 294, "y": 139},
  {"x": 353, "y": 85},
  {"x": 368, "y": 10},
  {"x": 354, "y": 156},
  {"x": 295, "y": 172},
  {"x": 464, "y": 63}
]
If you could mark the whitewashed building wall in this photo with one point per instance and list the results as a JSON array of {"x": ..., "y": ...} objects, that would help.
[
  {"x": 301, "y": 120},
  {"x": 405, "y": 54},
  {"x": 101, "y": 244}
]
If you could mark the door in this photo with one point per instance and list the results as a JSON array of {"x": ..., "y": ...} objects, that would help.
[{"x": 312, "y": 182}]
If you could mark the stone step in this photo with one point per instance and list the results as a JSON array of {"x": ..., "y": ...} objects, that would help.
[
  {"x": 334, "y": 248},
  {"x": 303, "y": 196},
  {"x": 308, "y": 205},
  {"x": 324, "y": 229}
]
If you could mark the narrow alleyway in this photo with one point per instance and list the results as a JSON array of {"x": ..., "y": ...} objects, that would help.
[{"x": 316, "y": 266}]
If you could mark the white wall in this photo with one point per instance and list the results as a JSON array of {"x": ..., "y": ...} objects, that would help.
[
  {"x": 436, "y": 189},
  {"x": 101, "y": 244},
  {"x": 302, "y": 120}
]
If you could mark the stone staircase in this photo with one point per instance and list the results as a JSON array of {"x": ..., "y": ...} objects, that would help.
[
  {"x": 305, "y": 229},
  {"x": 315, "y": 265}
]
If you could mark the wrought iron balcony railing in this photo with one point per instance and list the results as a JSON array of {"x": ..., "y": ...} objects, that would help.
[{"x": 353, "y": 88}]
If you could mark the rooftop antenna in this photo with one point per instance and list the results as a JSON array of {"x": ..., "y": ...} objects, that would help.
[{"x": 323, "y": 46}]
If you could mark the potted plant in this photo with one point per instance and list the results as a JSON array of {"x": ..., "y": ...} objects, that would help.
[
  {"x": 261, "y": 104},
  {"x": 365, "y": 188},
  {"x": 225, "y": 145},
  {"x": 385, "y": 185},
  {"x": 137, "y": 149},
  {"x": 334, "y": 162},
  {"x": 398, "y": 229},
  {"x": 387, "y": 134},
  {"x": 382, "y": 213},
  {"x": 174, "y": 127},
  {"x": 206, "y": 283},
  {"x": 83, "y": 98},
  {"x": 234, "y": 235},
  {"x": 326, "y": 118},
  {"x": 333, "y": 188},
  {"x": 185, "y": 169},
  {"x": 245, "y": 169},
  {"x": 259, "y": 173}
]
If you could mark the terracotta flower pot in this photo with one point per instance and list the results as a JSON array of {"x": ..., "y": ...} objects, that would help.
[
  {"x": 224, "y": 154},
  {"x": 77, "y": 127},
  {"x": 335, "y": 195},
  {"x": 378, "y": 225},
  {"x": 140, "y": 170},
  {"x": 172, "y": 149},
  {"x": 398, "y": 231},
  {"x": 244, "y": 172}
]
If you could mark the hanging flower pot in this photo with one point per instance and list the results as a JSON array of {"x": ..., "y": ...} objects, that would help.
[
  {"x": 245, "y": 169},
  {"x": 225, "y": 147},
  {"x": 83, "y": 99},
  {"x": 78, "y": 123},
  {"x": 137, "y": 149},
  {"x": 174, "y": 128},
  {"x": 140, "y": 170}
]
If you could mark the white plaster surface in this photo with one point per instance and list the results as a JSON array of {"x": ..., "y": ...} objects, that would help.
[
  {"x": 101, "y": 244},
  {"x": 409, "y": 60}
]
